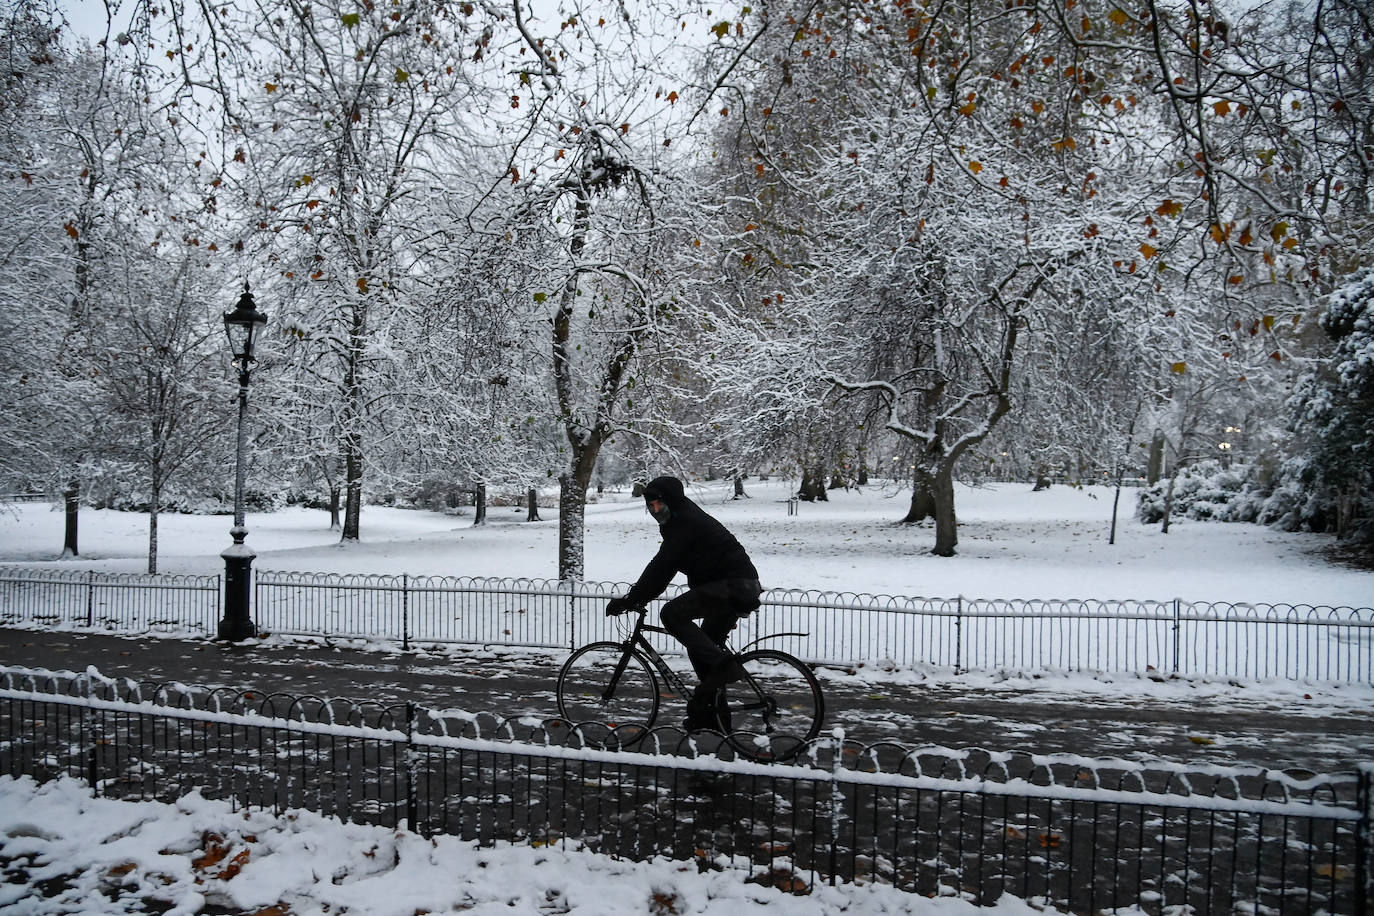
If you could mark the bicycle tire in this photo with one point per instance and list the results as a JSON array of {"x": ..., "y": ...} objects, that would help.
[
  {"x": 626, "y": 716},
  {"x": 778, "y": 723}
]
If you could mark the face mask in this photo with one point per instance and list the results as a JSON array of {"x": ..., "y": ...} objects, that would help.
[{"x": 662, "y": 515}]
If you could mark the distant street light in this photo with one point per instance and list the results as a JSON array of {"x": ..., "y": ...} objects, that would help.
[{"x": 242, "y": 325}]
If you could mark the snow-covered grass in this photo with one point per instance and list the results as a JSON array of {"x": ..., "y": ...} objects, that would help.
[{"x": 1013, "y": 543}]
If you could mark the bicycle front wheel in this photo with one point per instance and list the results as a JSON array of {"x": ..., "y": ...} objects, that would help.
[
  {"x": 774, "y": 711},
  {"x": 603, "y": 687}
]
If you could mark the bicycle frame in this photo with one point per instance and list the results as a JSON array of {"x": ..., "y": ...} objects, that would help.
[{"x": 637, "y": 640}]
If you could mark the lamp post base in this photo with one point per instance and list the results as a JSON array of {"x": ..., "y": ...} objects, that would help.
[{"x": 237, "y": 624}]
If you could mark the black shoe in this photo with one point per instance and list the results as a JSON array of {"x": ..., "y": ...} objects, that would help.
[
  {"x": 722, "y": 674},
  {"x": 706, "y": 711}
]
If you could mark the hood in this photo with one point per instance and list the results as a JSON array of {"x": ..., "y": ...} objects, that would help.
[{"x": 668, "y": 489}]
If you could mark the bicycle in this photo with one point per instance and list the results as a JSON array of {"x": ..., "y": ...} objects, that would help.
[{"x": 770, "y": 714}]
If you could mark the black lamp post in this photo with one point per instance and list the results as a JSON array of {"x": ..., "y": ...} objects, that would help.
[{"x": 242, "y": 325}]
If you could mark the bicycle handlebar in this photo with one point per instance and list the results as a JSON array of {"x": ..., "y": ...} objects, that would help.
[{"x": 624, "y": 608}]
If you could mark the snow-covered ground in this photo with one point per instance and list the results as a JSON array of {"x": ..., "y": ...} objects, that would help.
[
  {"x": 104, "y": 857},
  {"x": 1013, "y": 543},
  {"x": 69, "y": 853}
]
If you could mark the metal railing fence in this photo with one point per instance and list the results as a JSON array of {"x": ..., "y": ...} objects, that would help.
[
  {"x": 1252, "y": 641},
  {"x": 1080, "y": 834},
  {"x": 123, "y": 602},
  {"x": 1172, "y": 636}
]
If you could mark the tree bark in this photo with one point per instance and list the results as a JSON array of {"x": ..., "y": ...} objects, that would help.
[
  {"x": 334, "y": 495},
  {"x": 572, "y": 517},
  {"x": 353, "y": 488},
  {"x": 479, "y": 504},
  {"x": 532, "y": 497},
  {"x": 812, "y": 487},
  {"x": 352, "y": 439},
  {"x": 946, "y": 524},
  {"x": 1155, "y": 469},
  {"x": 72, "y": 504},
  {"x": 154, "y": 502},
  {"x": 922, "y": 498},
  {"x": 1168, "y": 501}
]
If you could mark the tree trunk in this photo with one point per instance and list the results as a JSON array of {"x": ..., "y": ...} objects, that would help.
[
  {"x": 922, "y": 498},
  {"x": 812, "y": 486},
  {"x": 946, "y": 524},
  {"x": 1155, "y": 469},
  {"x": 154, "y": 499},
  {"x": 72, "y": 504},
  {"x": 739, "y": 487},
  {"x": 479, "y": 504},
  {"x": 1347, "y": 502},
  {"x": 353, "y": 488},
  {"x": 353, "y": 413},
  {"x": 334, "y": 494},
  {"x": 533, "y": 498},
  {"x": 572, "y": 514},
  {"x": 1168, "y": 501}
]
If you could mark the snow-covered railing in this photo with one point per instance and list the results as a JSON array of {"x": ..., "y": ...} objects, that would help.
[
  {"x": 1170, "y": 636},
  {"x": 1077, "y": 833}
]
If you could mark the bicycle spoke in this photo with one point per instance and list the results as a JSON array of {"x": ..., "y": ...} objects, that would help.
[{"x": 604, "y": 693}]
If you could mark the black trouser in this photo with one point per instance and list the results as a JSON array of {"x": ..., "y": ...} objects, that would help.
[{"x": 717, "y": 605}]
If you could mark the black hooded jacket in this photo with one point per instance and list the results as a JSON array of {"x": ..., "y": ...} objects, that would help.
[{"x": 694, "y": 544}]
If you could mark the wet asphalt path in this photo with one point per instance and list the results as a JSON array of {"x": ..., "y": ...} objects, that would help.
[{"x": 1135, "y": 718}]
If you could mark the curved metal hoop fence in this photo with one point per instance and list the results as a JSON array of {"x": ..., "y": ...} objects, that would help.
[
  {"x": 1168, "y": 636},
  {"x": 1076, "y": 833}
]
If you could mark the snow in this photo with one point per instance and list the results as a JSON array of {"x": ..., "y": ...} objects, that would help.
[
  {"x": 82, "y": 854},
  {"x": 1013, "y": 543},
  {"x": 111, "y": 857}
]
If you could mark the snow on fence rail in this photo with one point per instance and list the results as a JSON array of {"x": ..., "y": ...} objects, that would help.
[
  {"x": 1254, "y": 641},
  {"x": 1081, "y": 834}
]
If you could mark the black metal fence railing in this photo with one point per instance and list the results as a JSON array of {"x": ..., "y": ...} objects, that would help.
[
  {"x": 1211, "y": 639},
  {"x": 1079, "y": 834},
  {"x": 123, "y": 602},
  {"x": 1252, "y": 641}
]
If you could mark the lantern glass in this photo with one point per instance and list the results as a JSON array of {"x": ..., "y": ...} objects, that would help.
[{"x": 242, "y": 325}]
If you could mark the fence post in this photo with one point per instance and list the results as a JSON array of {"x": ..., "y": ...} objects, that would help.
[
  {"x": 405, "y": 612},
  {"x": 572, "y": 615},
  {"x": 90, "y": 598},
  {"x": 1178, "y": 626},
  {"x": 959, "y": 634},
  {"x": 836, "y": 801},
  {"x": 412, "y": 797},
  {"x": 1364, "y": 840},
  {"x": 92, "y": 750}
]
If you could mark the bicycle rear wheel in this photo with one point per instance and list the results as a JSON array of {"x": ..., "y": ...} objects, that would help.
[
  {"x": 592, "y": 697},
  {"x": 774, "y": 711}
]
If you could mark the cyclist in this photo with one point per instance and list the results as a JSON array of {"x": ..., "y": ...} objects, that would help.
[{"x": 722, "y": 586}]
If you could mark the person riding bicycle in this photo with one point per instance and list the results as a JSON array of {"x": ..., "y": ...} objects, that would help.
[{"x": 722, "y": 586}]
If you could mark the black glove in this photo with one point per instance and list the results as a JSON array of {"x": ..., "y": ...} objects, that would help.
[{"x": 617, "y": 606}]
